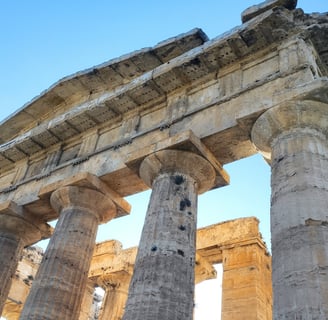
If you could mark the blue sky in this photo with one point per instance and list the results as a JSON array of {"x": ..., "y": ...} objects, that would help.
[{"x": 43, "y": 41}]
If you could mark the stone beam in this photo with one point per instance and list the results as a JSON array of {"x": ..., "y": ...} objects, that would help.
[
  {"x": 212, "y": 240},
  {"x": 226, "y": 133}
]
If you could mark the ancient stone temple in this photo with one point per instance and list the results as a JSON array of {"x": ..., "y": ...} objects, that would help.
[{"x": 169, "y": 118}]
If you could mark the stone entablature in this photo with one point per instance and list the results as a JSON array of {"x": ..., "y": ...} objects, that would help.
[{"x": 253, "y": 66}]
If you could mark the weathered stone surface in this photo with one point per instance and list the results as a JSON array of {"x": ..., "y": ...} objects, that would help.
[
  {"x": 107, "y": 76},
  {"x": 59, "y": 286},
  {"x": 243, "y": 66},
  {"x": 162, "y": 285},
  {"x": 112, "y": 266},
  {"x": 256, "y": 10},
  {"x": 96, "y": 121},
  {"x": 295, "y": 136}
]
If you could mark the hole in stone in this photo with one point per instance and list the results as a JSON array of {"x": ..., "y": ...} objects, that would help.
[
  {"x": 153, "y": 248},
  {"x": 178, "y": 180},
  {"x": 280, "y": 159},
  {"x": 184, "y": 203},
  {"x": 180, "y": 252},
  {"x": 182, "y": 228},
  {"x": 190, "y": 213}
]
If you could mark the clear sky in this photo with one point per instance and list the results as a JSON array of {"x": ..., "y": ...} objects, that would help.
[{"x": 43, "y": 41}]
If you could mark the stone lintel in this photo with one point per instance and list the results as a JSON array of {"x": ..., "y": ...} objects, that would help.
[
  {"x": 228, "y": 232},
  {"x": 19, "y": 221},
  {"x": 112, "y": 262},
  {"x": 212, "y": 240},
  {"x": 87, "y": 180},
  {"x": 258, "y": 9},
  {"x": 185, "y": 141}
]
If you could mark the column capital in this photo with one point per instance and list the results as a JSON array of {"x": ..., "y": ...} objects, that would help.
[
  {"x": 176, "y": 161},
  {"x": 114, "y": 281},
  {"x": 19, "y": 223},
  {"x": 80, "y": 197},
  {"x": 286, "y": 117}
]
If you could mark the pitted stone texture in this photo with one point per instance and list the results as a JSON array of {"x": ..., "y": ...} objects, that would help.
[
  {"x": 296, "y": 135},
  {"x": 59, "y": 286},
  {"x": 162, "y": 286},
  {"x": 172, "y": 161}
]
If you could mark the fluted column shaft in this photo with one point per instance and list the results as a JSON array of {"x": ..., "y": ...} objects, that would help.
[
  {"x": 10, "y": 250},
  {"x": 59, "y": 285},
  {"x": 299, "y": 208},
  {"x": 162, "y": 286},
  {"x": 17, "y": 229}
]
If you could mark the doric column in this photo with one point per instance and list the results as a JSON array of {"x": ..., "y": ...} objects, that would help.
[
  {"x": 18, "y": 229},
  {"x": 58, "y": 288},
  {"x": 246, "y": 282},
  {"x": 295, "y": 135},
  {"x": 162, "y": 286},
  {"x": 116, "y": 287}
]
